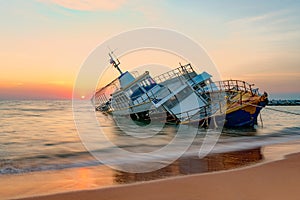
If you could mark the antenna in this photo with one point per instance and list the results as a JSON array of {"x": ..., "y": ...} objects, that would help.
[{"x": 114, "y": 60}]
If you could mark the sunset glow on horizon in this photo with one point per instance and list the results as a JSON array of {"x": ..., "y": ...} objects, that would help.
[{"x": 45, "y": 42}]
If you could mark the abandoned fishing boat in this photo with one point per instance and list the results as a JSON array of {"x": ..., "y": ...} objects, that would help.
[{"x": 180, "y": 96}]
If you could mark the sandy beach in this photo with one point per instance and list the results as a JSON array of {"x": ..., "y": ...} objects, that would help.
[{"x": 268, "y": 180}]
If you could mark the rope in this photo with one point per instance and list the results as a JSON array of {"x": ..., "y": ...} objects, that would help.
[
  {"x": 287, "y": 112},
  {"x": 283, "y": 111},
  {"x": 261, "y": 121}
]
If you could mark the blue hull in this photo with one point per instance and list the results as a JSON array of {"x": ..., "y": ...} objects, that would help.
[{"x": 242, "y": 118}]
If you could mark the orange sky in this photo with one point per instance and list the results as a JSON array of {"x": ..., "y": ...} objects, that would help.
[
  {"x": 45, "y": 42},
  {"x": 24, "y": 91}
]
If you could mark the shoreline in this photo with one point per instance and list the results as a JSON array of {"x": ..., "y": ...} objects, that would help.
[
  {"x": 272, "y": 154},
  {"x": 272, "y": 180}
]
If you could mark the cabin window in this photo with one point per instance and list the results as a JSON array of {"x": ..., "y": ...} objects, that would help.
[
  {"x": 202, "y": 84},
  {"x": 145, "y": 83},
  {"x": 119, "y": 101},
  {"x": 171, "y": 102},
  {"x": 136, "y": 92},
  {"x": 148, "y": 84},
  {"x": 184, "y": 93}
]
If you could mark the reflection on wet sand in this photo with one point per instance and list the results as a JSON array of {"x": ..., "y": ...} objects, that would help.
[
  {"x": 193, "y": 165},
  {"x": 102, "y": 176}
]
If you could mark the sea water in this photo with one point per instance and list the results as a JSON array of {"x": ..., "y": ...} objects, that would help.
[{"x": 41, "y": 135}]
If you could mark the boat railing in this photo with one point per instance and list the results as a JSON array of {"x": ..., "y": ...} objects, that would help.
[
  {"x": 218, "y": 107},
  {"x": 232, "y": 85},
  {"x": 201, "y": 112},
  {"x": 182, "y": 70},
  {"x": 188, "y": 115}
]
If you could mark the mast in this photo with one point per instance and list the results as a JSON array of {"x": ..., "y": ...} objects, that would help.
[{"x": 114, "y": 61}]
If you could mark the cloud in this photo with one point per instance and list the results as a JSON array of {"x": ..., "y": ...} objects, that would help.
[
  {"x": 259, "y": 18},
  {"x": 274, "y": 29},
  {"x": 275, "y": 75},
  {"x": 88, "y": 5}
]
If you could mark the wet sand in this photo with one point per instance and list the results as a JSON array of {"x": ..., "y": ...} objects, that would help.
[
  {"x": 274, "y": 180},
  {"x": 269, "y": 180},
  {"x": 74, "y": 179}
]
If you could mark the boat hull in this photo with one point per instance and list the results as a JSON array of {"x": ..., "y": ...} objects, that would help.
[{"x": 242, "y": 117}]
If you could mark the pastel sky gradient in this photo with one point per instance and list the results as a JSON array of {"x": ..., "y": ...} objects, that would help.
[{"x": 44, "y": 42}]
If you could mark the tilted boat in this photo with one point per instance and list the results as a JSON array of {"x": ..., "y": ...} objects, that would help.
[{"x": 180, "y": 96}]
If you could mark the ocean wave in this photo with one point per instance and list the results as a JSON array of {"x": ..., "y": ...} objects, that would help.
[{"x": 17, "y": 170}]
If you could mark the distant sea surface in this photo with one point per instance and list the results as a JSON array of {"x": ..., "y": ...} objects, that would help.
[{"x": 41, "y": 135}]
